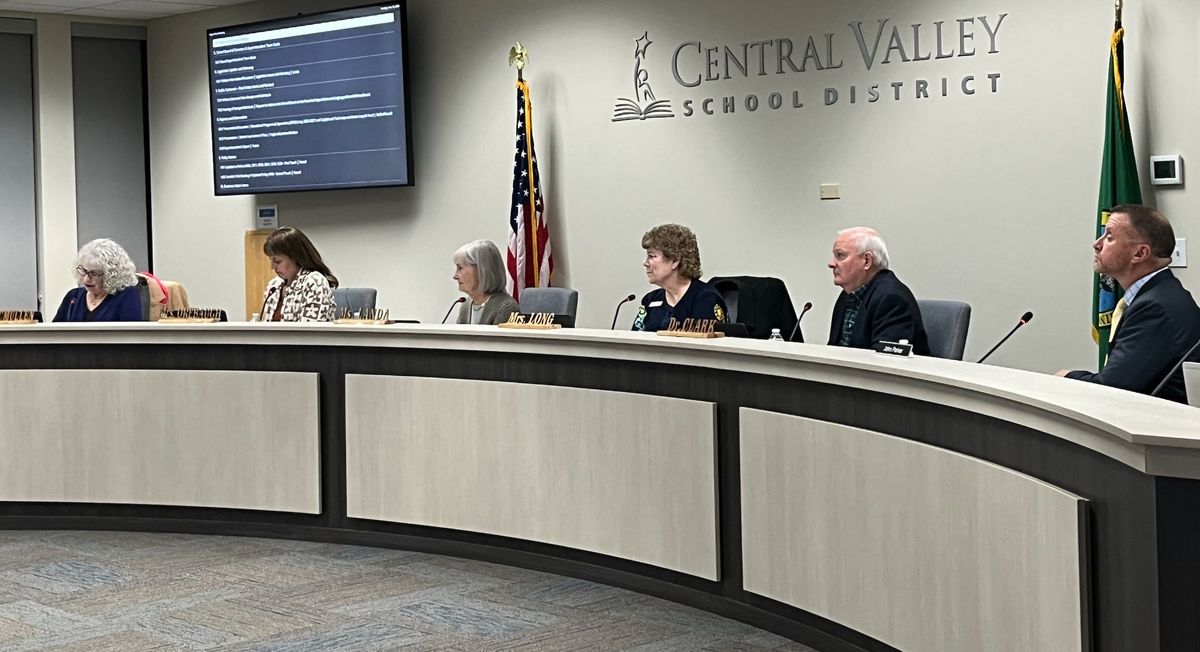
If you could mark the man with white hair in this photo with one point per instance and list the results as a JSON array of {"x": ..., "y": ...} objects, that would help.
[{"x": 874, "y": 305}]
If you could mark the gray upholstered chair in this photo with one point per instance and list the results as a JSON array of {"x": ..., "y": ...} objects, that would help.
[
  {"x": 560, "y": 301},
  {"x": 353, "y": 299},
  {"x": 1191, "y": 380},
  {"x": 946, "y": 325}
]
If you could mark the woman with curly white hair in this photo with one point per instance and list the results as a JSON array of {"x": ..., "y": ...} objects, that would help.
[{"x": 107, "y": 290}]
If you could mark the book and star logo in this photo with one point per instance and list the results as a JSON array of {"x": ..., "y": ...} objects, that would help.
[{"x": 643, "y": 106}]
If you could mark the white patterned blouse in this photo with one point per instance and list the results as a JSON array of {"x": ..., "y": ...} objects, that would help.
[{"x": 307, "y": 298}]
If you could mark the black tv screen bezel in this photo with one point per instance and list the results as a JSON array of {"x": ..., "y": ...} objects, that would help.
[{"x": 401, "y": 8}]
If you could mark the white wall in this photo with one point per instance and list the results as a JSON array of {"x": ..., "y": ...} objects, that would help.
[
  {"x": 987, "y": 198},
  {"x": 1163, "y": 57}
]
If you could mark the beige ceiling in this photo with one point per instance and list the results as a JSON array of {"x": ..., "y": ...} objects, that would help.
[{"x": 130, "y": 9}]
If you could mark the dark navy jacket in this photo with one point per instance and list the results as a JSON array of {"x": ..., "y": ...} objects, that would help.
[
  {"x": 125, "y": 305},
  {"x": 1161, "y": 324},
  {"x": 701, "y": 301},
  {"x": 889, "y": 312}
]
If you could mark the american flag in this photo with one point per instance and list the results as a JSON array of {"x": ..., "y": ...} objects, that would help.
[{"x": 529, "y": 261}]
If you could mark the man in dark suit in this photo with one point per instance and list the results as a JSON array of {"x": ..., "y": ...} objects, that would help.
[
  {"x": 1157, "y": 320},
  {"x": 874, "y": 305}
]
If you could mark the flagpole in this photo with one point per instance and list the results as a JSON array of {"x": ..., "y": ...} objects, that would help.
[
  {"x": 1119, "y": 182},
  {"x": 533, "y": 189},
  {"x": 519, "y": 56}
]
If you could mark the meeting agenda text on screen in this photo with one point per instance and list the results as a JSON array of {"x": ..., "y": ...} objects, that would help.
[{"x": 310, "y": 103}]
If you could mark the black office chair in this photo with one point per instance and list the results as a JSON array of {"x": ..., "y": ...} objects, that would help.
[
  {"x": 759, "y": 302},
  {"x": 143, "y": 289}
]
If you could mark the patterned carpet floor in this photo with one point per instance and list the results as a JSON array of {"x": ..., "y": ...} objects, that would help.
[{"x": 129, "y": 592}]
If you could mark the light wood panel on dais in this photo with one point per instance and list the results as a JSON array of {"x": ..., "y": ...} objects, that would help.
[
  {"x": 621, "y": 474},
  {"x": 233, "y": 439},
  {"x": 916, "y": 546}
]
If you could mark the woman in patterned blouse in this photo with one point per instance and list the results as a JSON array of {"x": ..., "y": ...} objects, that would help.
[{"x": 303, "y": 287}]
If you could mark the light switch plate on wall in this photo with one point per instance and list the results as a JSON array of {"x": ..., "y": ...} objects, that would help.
[{"x": 1179, "y": 256}]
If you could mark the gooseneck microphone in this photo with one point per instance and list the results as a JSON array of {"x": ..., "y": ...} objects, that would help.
[
  {"x": 456, "y": 302},
  {"x": 618, "y": 310},
  {"x": 796, "y": 328},
  {"x": 262, "y": 316},
  {"x": 1025, "y": 319},
  {"x": 1174, "y": 368}
]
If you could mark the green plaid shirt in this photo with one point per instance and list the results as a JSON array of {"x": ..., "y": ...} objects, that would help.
[{"x": 853, "y": 304}]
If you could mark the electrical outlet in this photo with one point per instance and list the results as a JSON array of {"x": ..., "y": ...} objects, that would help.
[
  {"x": 1179, "y": 256},
  {"x": 831, "y": 191}
]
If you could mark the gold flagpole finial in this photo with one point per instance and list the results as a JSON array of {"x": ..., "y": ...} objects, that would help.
[{"x": 518, "y": 55}]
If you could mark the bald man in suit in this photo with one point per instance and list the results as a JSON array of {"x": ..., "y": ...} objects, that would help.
[{"x": 1157, "y": 320}]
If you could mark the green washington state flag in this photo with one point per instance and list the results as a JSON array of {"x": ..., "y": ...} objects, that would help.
[{"x": 1118, "y": 185}]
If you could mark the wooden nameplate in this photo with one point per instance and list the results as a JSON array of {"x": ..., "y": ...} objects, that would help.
[
  {"x": 701, "y": 329},
  {"x": 368, "y": 317},
  {"x": 16, "y": 317},
  {"x": 538, "y": 321},
  {"x": 691, "y": 334},
  {"x": 351, "y": 321},
  {"x": 530, "y": 327},
  {"x": 191, "y": 316}
]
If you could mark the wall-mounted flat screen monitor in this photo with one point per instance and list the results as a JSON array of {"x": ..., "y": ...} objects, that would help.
[{"x": 311, "y": 102}]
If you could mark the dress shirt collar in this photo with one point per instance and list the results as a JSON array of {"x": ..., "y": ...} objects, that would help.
[{"x": 1132, "y": 291}]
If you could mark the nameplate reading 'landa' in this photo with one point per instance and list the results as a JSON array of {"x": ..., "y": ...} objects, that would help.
[{"x": 789, "y": 69}]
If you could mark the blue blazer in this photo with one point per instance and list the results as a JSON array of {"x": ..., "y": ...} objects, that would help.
[
  {"x": 701, "y": 301},
  {"x": 125, "y": 305}
]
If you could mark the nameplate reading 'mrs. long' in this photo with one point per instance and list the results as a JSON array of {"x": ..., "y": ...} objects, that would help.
[{"x": 893, "y": 348}]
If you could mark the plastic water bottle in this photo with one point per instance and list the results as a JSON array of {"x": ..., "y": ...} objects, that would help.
[{"x": 776, "y": 336}]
